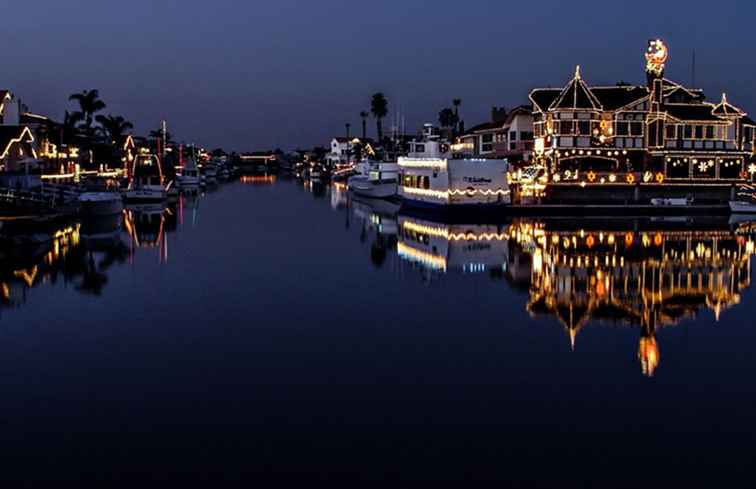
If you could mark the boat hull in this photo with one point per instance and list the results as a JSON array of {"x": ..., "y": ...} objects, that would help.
[
  {"x": 145, "y": 196},
  {"x": 373, "y": 190}
]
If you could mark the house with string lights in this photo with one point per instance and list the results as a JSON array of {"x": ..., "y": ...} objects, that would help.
[
  {"x": 630, "y": 144},
  {"x": 508, "y": 135}
]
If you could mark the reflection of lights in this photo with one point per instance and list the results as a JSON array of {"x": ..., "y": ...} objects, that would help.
[
  {"x": 444, "y": 233},
  {"x": 422, "y": 257},
  {"x": 258, "y": 179},
  {"x": 648, "y": 354}
]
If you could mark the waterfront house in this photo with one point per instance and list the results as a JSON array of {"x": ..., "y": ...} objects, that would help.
[
  {"x": 342, "y": 150},
  {"x": 637, "y": 142},
  {"x": 508, "y": 135}
]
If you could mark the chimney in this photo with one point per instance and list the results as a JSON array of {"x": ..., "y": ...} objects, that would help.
[{"x": 498, "y": 114}]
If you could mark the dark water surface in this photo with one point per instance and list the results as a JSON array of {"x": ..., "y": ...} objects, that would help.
[{"x": 276, "y": 329}]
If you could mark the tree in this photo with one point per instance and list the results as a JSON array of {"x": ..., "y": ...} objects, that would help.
[
  {"x": 70, "y": 126},
  {"x": 456, "y": 102},
  {"x": 379, "y": 109},
  {"x": 364, "y": 115},
  {"x": 447, "y": 118},
  {"x": 358, "y": 149},
  {"x": 115, "y": 127},
  {"x": 89, "y": 104},
  {"x": 348, "y": 132}
]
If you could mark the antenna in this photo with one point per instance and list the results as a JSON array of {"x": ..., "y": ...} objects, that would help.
[{"x": 693, "y": 71}]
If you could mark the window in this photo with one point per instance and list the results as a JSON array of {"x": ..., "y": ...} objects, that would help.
[
  {"x": 623, "y": 129},
  {"x": 671, "y": 132},
  {"x": 419, "y": 148},
  {"x": 688, "y": 132},
  {"x": 513, "y": 135},
  {"x": 487, "y": 138},
  {"x": 699, "y": 132},
  {"x": 584, "y": 128},
  {"x": 636, "y": 128}
]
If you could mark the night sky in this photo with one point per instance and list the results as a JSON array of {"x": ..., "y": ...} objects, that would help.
[{"x": 287, "y": 73}]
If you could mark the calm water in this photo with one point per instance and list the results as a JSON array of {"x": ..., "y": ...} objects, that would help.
[{"x": 278, "y": 329}]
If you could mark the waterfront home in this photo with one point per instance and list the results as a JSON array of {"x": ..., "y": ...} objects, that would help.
[
  {"x": 634, "y": 143},
  {"x": 508, "y": 135},
  {"x": 342, "y": 150}
]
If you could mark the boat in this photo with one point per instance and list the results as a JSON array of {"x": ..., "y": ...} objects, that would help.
[
  {"x": 431, "y": 178},
  {"x": 189, "y": 176},
  {"x": 210, "y": 172},
  {"x": 146, "y": 184},
  {"x": 746, "y": 200},
  {"x": 377, "y": 180},
  {"x": 100, "y": 203}
]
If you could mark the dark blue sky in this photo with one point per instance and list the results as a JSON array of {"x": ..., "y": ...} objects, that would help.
[{"x": 260, "y": 74}]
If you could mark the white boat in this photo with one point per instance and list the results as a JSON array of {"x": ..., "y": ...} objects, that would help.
[
  {"x": 189, "y": 176},
  {"x": 672, "y": 202},
  {"x": 375, "y": 180},
  {"x": 430, "y": 177},
  {"x": 742, "y": 207},
  {"x": 210, "y": 172},
  {"x": 101, "y": 203},
  {"x": 146, "y": 184}
]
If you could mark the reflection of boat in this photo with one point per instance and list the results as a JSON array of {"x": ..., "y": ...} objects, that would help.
[
  {"x": 101, "y": 203},
  {"x": 101, "y": 231},
  {"x": 146, "y": 224},
  {"x": 376, "y": 180},
  {"x": 431, "y": 178},
  {"x": 453, "y": 247},
  {"x": 662, "y": 202},
  {"x": 378, "y": 214}
]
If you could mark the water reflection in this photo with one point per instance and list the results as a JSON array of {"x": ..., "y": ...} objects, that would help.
[
  {"x": 644, "y": 273},
  {"x": 81, "y": 253}
]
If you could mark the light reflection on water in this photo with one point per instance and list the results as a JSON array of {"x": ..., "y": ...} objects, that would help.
[{"x": 294, "y": 312}]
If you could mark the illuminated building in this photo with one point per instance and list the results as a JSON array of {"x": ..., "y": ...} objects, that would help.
[{"x": 633, "y": 143}]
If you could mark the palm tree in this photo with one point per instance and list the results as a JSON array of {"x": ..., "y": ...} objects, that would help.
[
  {"x": 114, "y": 127},
  {"x": 447, "y": 118},
  {"x": 158, "y": 134},
  {"x": 364, "y": 115},
  {"x": 379, "y": 109},
  {"x": 456, "y": 102},
  {"x": 348, "y": 132},
  {"x": 70, "y": 124},
  {"x": 89, "y": 104}
]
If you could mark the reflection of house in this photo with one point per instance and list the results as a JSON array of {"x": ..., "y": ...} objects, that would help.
[
  {"x": 662, "y": 137},
  {"x": 649, "y": 279},
  {"x": 508, "y": 135}
]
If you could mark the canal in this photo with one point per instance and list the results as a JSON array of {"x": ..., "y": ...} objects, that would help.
[{"x": 280, "y": 328}]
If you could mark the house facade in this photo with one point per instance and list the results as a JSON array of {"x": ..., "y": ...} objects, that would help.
[
  {"x": 655, "y": 140},
  {"x": 508, "y": 135}
]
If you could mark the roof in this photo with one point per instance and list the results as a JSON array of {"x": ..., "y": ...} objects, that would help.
[
  {"x": 519, "y": 110},
  {"x": 343, "y": 140},
  {"x": 613, "y": 98},
  {"x": 692, "y": 112},
  {"x": 543, "y": 97},
  {"x": 577, "y": 96},
  {"x": 10, "y": 135},
  {"x": 725, "y": 109},
  {"x": 748, "y": 121}
]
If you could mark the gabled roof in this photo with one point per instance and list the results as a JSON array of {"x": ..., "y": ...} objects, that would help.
[
  {"x": 486, "y": 126},
  {"x": 692, "y": 112},
  {"x": 519, "y": 110},
  {"x": 542, "y": 98},
  {"x": 724, "y": 109},
  {"x": 613, "y": 98},
  {"x": 748, "y": 121},
  {"x": 10, "y": 135},
  {"x": 577, "y": 96}
]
